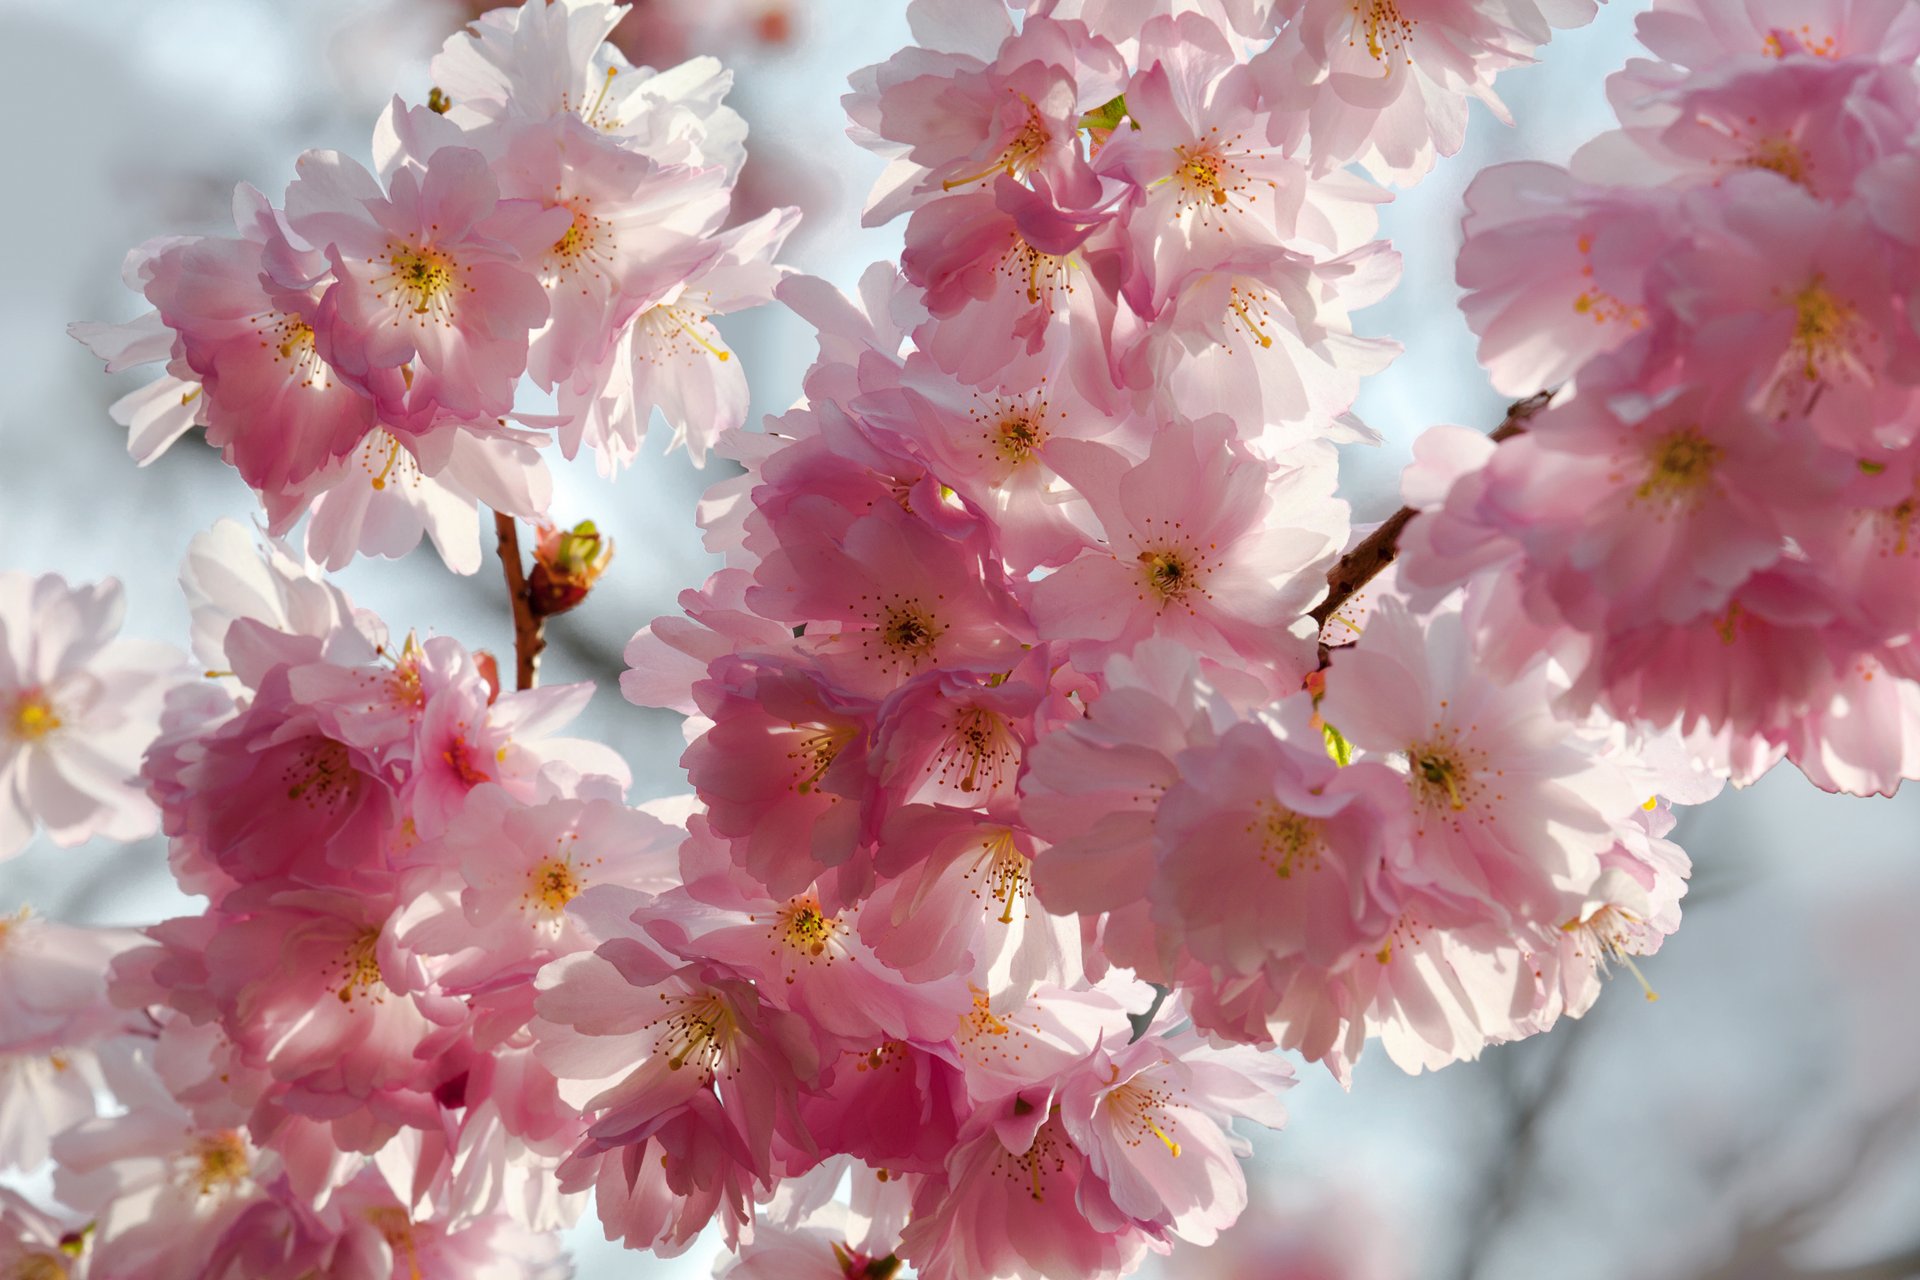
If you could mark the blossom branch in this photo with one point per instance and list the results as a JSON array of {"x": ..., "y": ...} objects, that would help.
[
  {"x": 1362, "y": 564},
  {"x": 529, "y": 631}
]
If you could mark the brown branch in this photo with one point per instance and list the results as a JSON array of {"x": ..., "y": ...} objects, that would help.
[
  {"x": 529, "y": 632},
  {"x": 1362, "y": 564}
]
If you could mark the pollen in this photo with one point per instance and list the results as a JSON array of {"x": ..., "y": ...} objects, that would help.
[
  {"x": 1825, "y": 333},
  {"x": 584, "y": 250},
  {"x": 1141, "y": 1112},
  {"x": 220, "y": 1162},
  {"x": 1679, "y": 465},
  {"x": 1018, "y": 157},
  {"x": 979, "y": 752},
  {"x": 681, "y": 331},
  {"x": 461, "y": 757},
  {"x": 553, "y": 884},
  {"x": 1609, "y": 936},
  {"x": 1208, "y": 176},
  {"x": 358, "y": 970},
  {"x": 1782, "y": 41},
  {"x": 1017, "y": 436},
  {"x": 1288, "y": 841},
  {"x": 1443, "y": 776},
  {"x": 1383, "y": 29},
  {"x": 803, "y": 928},
  {"x": 322, "y": 775},
  {"x": 32, "y": 718},
  {"x": 815, "y": 754},
  {"x": 1779, "y": 155},
  {"x": 1002, "y": 872},
  {"x": 698, "y": 1029},
  {"x": 1596, "y": 303},
  {"x": 1041, "y": 276},
  {"x": 421, "y": 281}
]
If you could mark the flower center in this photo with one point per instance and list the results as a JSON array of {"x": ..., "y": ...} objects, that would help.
[
  {"x": 1018, "y": 158},
  {"x": 979, "y": 747},
  {"x": 1172, "y": 573},
  {"x": 33, "y": 717},
  {"x": 1017, "y": 436},
  {"x": 1609, "y": 936},
  {"x": 815, "y": 753},
  {"x": 37, "y": 1266},
  {"x": 679, "y": 326},
  {"x": 1382, "y": 27},
  {"x": 1602, "y": 307},
  {"x": 322, "y": 775},
  {"x": 802, "y": 926},
  {"x": 1679, "y": 465},
  {"x": 585, "y": 247},
  {"x": 1288, "y": 841},
  {"x": 422, "y": 281},
  {"x": 1779, "y": 155},
  {"x": 1042, "y": 275},
  {"x": 359, "y": 969},
  {"x": 553, "y": 884},
  {"x": 466, "y": 760},
  {"x": 1824, "y": 330},
  {"x": 698, "y": 1031},
  {"x": 1140, "y": 1111},
  {"x": 1782, "y": 41},
  {"x": 222, "y": 1161},
  {"x": 1438, "y": 775},
  {"x": 1003, "y": 869}
]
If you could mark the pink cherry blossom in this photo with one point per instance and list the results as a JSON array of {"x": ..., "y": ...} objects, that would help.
[{"x": 78, "y": 706}]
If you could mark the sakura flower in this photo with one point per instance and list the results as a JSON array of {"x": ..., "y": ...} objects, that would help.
[
  {"x": 520, "y": 866},
  {"x": 1268, "y": 851},
  {"x": 54, "y": 1021},
  {"x": 692, "y": 1077},
  {"x": 1196, "y": 152},
  {"x": 1050, "y": 1212},
  {"x": 77, "y": 709},
  {"x": 275, "y": 406},
  {"x": 1706, "y": 34},
  {"x": 781, "y": 769},
  {"x": 159, "y": 1188},
  {"x": 1386, "y": 83},
  {"x": 671, "y": 357},
  {"x": 976, "y": 98},
  {"x": 395, "y": 487},
  {"x": 535, "y": 62},
  {"x": 1154, "y": 1117},
  {"x": 1794, "y": 290},
  {"x": 905, "y": 598},
  {"x": 1554, "y": 270},
  {"x": 435, "y": 274},
  {"x": 1508, "y": 802},
  {"x": 1631, "y": 511},
  {"x": 1195, "y": 550},
  {"x": 637, "y": 233}
]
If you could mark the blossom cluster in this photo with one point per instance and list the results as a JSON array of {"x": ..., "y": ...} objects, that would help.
[
  {"x": 1011, "y": 694},
  {"x": 551, "y": 215},
  {"x": 1042, "y": 786},
  {"x": 1712, "y": 529}
]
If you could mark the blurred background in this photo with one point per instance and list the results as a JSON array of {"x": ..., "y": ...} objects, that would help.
[{"x": 1761, "y": 1120}]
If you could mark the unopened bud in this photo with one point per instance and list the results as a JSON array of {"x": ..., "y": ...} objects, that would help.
[{"x": 566, "y": 564}]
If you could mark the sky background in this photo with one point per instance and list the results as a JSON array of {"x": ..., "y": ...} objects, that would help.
[{"x": 1758, "y": 1121}]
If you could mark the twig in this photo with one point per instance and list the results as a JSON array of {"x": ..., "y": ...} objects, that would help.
[
  {"x": 1359, "y": 566},
  {"x": 529, "y": 632}
]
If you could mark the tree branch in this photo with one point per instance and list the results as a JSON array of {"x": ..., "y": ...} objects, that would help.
[
  {"x": 1362, "y": 564},
  {"x": 529, "y": 632}
]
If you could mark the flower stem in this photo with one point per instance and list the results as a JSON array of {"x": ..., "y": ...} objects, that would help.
[
  {"x": 1359, "y": 566},
  {"x": 529, "y": 631}
]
